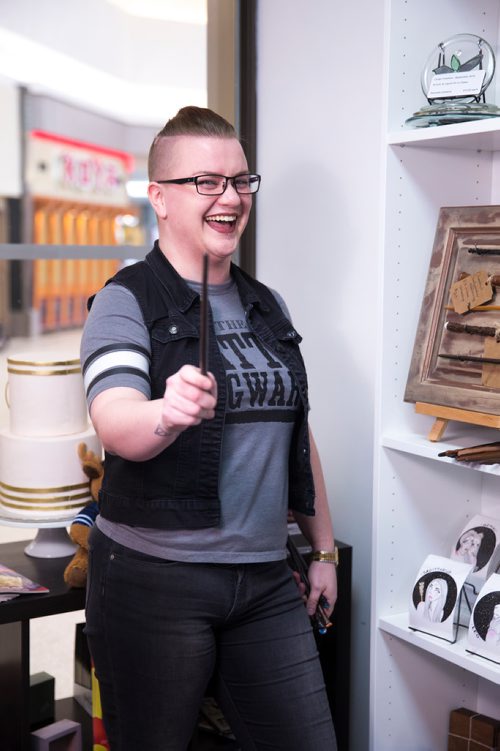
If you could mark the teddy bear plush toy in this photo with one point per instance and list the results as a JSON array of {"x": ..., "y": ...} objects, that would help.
[{"x": 75, "y": 574}]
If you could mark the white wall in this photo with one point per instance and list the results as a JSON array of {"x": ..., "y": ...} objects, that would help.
[{"x": 319, "y": 129}]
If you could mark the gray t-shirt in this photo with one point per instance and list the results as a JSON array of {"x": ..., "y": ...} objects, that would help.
[{"x": 261, "y": 408}]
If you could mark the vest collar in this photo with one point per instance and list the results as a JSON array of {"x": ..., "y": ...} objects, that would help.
[
  {"x": 182, "y": 294},
  {"x": 173, "y": 284}
]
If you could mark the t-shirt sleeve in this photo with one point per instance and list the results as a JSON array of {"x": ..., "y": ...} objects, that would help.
[
  {"x": 115, "y": 349},
  {"x": 282, "y": 304}
]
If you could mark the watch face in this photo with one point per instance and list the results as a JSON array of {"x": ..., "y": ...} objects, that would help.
[{"x": 459, "y": 54}]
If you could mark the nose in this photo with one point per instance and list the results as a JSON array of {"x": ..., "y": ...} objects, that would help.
[{"x": 230, "y": 194}]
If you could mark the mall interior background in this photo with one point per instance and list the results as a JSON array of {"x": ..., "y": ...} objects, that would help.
[{"x": 93, "y": 72}]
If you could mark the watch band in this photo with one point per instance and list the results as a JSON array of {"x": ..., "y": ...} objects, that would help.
[{"x": 326, "y": 556}]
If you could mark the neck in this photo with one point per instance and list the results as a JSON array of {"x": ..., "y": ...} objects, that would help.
[{"x": 191, "y": 266}]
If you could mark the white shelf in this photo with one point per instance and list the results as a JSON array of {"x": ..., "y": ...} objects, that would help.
[
  {"x": 397, "y": 625},
  {"x": 480, "y": 134},
  {"x": 420, "y": 499},
  {"x": 419, "y": 445}
]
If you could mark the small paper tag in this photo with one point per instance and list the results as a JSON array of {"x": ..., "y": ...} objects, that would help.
[
  {"x": 490, "y": 375},
  {"x": 444, "y": 85},
  {"x": 470, "y": 292}
]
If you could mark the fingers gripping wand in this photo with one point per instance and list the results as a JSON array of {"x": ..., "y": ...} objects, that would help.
[
  {"x": 320, "y": 619},
  {"x": 204, "y": 317}
]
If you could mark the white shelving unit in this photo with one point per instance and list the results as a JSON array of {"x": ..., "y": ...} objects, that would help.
[{"x": 421, "y": 501}]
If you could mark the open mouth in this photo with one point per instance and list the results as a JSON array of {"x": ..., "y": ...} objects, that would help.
[{"x": 222, "y": 222}]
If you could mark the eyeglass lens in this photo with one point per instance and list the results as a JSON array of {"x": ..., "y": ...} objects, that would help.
[{"x": 216, "y": 184}]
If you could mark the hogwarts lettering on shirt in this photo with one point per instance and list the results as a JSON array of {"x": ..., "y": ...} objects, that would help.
[{"x": 260, "y": 388}]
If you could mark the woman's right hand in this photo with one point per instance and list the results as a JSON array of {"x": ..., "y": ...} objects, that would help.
[
  {"x": 137, "y": 428},
  {"x": 189, "y": 398}
]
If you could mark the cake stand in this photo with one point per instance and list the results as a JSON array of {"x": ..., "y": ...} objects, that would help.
[{"x": 52, "y": 539}]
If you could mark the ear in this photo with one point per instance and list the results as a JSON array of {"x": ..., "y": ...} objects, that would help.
[{"x": 157, "y": 200}]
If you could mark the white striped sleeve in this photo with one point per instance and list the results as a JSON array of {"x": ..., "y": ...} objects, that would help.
[
  {"x": 116, "y": 347},
  {"x": 115, "y": 360}
]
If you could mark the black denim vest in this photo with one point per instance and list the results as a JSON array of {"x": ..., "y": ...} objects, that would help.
[{"x": 178, "y": 489}]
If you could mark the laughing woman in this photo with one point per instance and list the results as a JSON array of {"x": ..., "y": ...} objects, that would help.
[{"x": 188, "y": 578}]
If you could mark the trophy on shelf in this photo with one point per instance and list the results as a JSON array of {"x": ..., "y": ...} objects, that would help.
[{"x": 454, "y": 81}]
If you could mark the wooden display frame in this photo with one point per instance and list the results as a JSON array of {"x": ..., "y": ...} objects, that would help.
[{"x": 462, "y": 236}]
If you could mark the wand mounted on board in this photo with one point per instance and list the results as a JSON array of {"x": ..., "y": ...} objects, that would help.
[
  {"x": 464, "y": 328},
  {"x": 493, "y": 250},
  {"x": 472, "y": 358},
  {"x": 204, "y": 317}
]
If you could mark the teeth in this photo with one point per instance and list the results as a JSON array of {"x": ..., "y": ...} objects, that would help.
[{"x": 221, "y": 218}]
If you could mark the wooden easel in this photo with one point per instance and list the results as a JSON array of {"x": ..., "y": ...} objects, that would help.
[{"x": 444, "y": 414}]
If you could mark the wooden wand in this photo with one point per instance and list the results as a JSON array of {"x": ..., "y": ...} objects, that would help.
[{"x": 204, "y": 317}]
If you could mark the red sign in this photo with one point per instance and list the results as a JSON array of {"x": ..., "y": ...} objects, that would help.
[{"x": 60, "y": 167}]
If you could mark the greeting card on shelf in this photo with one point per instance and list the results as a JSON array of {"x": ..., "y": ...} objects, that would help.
[
  {"x": 436, "y": 596},
  {"x": 483, "y": 637},
  {"x": 479, "y": 545}
]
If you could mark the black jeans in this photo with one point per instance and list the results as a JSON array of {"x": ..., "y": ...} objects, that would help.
[{"x": 160, "y": 630}]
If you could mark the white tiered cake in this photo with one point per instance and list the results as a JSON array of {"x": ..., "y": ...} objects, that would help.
[{"x": 40, "y": 472}]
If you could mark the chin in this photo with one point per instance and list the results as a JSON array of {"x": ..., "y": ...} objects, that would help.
[{"x": 222, "y": 251}]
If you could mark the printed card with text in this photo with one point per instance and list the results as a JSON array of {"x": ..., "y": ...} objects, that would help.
[{"x": 435, "y": 596}]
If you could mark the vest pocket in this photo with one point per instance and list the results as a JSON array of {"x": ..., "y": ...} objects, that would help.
[{"x": 173, "y": 329}]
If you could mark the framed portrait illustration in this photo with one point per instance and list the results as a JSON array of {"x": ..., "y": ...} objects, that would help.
[
  {"x": 456, "y": 355},
  {"x": 483, "y": 637},
  {"x": 435, "y": 597}
]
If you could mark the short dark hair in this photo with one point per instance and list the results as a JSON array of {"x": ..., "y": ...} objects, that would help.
[{"x": 190, "y": 121}]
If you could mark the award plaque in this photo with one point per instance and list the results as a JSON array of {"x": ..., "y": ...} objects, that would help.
[{"x": 454, "y": 81}]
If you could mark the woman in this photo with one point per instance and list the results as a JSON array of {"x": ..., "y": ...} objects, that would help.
[
  {"x": 432, "y": 608},
  {"x": 188, "y": 577},
  {"x": 493, "y": 632},
  {"x": 467, "y": 547}
]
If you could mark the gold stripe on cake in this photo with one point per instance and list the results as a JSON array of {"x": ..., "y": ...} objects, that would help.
[
  {"x": 49, "y": 499},
  {"x": 40, "y": 363},
  {"x": 61, "y": 489},
  {"x": 30, "y": 507},
  {"x": 44, "y": 372}
]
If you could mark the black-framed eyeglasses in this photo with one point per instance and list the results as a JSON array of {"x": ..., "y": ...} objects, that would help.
[{"x": 215, "y": 185}]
